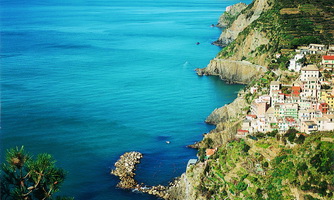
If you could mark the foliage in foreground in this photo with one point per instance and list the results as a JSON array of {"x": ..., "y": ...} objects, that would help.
[
  {"x": 268, "y": 169},
  {"x": 26, "y": 178}
]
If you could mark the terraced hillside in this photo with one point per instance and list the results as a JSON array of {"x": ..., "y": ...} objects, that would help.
[
  {"x": 285, "y": 25},
  {"x": 267, "y": 168}
]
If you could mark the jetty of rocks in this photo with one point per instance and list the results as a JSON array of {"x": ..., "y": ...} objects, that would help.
[{"x": 125, "y": 167}]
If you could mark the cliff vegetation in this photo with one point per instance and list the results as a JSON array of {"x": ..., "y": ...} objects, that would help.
[
  {"x": 282, "y": 24},
  {"x": 271, "y": 167}
]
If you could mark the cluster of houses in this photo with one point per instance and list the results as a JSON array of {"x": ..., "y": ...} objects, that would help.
[
  {"x": 301, "y": 105},
  {"x": 327, "y": 53}
]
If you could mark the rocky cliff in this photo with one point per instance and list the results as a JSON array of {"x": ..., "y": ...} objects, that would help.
[
  {"x": 258, "y": 32},
  {"x": 188, "y": 186},
  {"x": 232, "y": 71},
  {"x": 233, "y": 110},
  {"x": 245, "y": 18},
  {"x": 230, "y": 14}
]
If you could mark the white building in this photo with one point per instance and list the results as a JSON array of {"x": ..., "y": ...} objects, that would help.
[
  {"x": 274, "y": 86},
  {"x": 311, "y": 88},
  {"x": 324, "y": 123},
  {"x": 294, "y": 64},
  {"x": 309, "y": 71}
]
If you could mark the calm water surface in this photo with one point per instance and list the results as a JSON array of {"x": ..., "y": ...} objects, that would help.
[{"x": 87, "y": 81}]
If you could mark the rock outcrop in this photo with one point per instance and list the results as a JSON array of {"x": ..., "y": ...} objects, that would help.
[
  {"x": 232, "y": 71},
  {"x": 232, "y": 110},
  {"x": 247, "y": 47},
  {"x": 189, "y": 183},
  {"x": 125, "y": 167},
  {"x": 230, "y": 14},
  {"x": 247, "y": 16}
]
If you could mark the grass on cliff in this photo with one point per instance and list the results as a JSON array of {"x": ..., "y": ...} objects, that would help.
[
  {"x": 268, "y": 169},
  {"x": 288, "y": 24}
]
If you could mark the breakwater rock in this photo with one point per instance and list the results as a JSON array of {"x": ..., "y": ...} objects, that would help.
[
  {"x": 125, "y": 167},
  {"x": 231, "y": 71}
]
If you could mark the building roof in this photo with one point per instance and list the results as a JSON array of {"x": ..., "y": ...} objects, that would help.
[
  {"x": 310, "y": 68},
  {"x": 295, "y": 88},
  {"x": 275, "y": 83},
  {"x": 329, "y": 116},
  {"x": 290, "y": 105},
  {"x": 191, "y": 162},
  {"x": 303, "y": 111},
  {"x": 243, "y": 131},
  {"x": 290, "y": 119},
  {"x": 310, "y": 110},
  {"x": 301, "y": 134},
  {"x": 328, "y": 57},
  {"x": 210, "y": 152},
  {"x": 321, "y": 119},
  {"x": 319, "y": 45},
  {"x": 252, "y": 116},
  {"x": 309, "y": 123},
  {"x": 271, "y": 110},
  {"x": 297, "y": 83}
]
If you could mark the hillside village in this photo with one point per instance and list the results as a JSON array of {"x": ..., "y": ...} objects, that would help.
[{"x": 305, "y": 103}]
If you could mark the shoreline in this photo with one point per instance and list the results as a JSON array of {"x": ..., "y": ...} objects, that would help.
[{"x": 174, "y": 188}]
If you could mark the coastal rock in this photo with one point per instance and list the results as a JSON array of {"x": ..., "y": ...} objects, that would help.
[
  {"x": 230, "y": 111},
  {"x": 247, "y": 16},
  {"x": 188, "y": 184},
  {"x": 125, "y": 168},
  {"x": 247, "y": 47},
  {"x": 230, "y": 14},
  {"x": 232, "y": 71}
]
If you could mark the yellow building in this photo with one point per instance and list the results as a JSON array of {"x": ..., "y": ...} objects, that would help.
[{"x": 328, "y": 97}]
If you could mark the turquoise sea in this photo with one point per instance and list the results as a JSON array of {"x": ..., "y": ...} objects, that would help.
[{"x": 89, "y": 80}]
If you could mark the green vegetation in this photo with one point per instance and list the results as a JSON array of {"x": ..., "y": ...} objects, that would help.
[
  {"x": 28, "y": 179},
  {"x": 267, "y": 169},
  {"x": 288, "y": 24}
]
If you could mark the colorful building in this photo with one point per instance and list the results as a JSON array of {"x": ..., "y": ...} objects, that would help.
[{"x": 328, "y": 62}]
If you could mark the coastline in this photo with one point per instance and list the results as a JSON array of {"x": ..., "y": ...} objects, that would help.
[
  {"x": 264, "y": 153},
  {"x": 237, "y": 72}
]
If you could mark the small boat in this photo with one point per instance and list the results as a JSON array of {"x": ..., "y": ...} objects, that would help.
[
  {"x": 167, "y": 142},
  {"x": 198, "y": 43}
]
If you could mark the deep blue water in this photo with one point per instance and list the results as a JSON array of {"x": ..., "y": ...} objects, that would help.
[{"x": 87, "y": 81}]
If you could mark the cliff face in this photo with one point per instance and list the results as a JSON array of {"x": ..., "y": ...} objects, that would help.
[
  {"x": 188, "y": 186},
  {"x": 232, "y": 71},
  {"x": 256, "y": 35},
  {"x": 230, "y": 14},
  {"x": 230, "y": 111},
  {"x": 244, "y": 19},
  {"x": 246, "y": 46}
]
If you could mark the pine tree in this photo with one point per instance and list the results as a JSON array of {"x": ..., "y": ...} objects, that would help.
[{"x": 24, "y": 178}]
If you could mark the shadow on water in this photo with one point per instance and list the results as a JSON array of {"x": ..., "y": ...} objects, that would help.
[{"x": 223, "y": 89}]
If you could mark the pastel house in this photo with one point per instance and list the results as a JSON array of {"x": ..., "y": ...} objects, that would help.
[
  {"x": 317, "y": 49},
  {"x": 328, "y": 62},
  {"x": 309, "y": 126}
]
